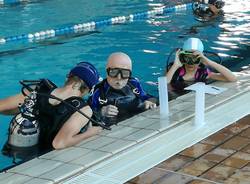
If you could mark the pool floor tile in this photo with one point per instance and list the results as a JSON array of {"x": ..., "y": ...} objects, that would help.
[
  {"x": 197, "y": 150},
  {"x": 246, "y": 133},
  {"x": 216, "y": 139},
  {"x": 246, "y": 167},
  {"x": 237, "y": 160},
  {"x": 243, "y": 176},
  {"x": 246, "y": 149},
  {"x": 218, "y": 154},
  {"x": 235, "y": 128},
  {"x": 197, "y": 167},
  {"x": 149, "y": 176},
  {"x": 236, "y": 143},
  {"x": 219, "y": 173},
  {"x": 173, "y": 178},
  {"x": 175, "y": 163},
  {"x": 198, "y": 181}
]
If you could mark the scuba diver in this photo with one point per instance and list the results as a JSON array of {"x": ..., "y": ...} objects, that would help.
[
  {"x": 191, "y": 65},
  {"x": 47, "y": 116},
  {"x": 206, "y": 10},
  {"x": 119, "y": 96}
]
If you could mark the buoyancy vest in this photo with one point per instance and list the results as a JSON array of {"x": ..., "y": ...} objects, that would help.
[
  {"x": 179, "y": 83},
  {"x": 52, "y": 117},
  {"x": 129, "y": 100}
]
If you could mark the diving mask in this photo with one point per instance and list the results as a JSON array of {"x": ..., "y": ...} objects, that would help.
[{"x": 187, "y": 57}]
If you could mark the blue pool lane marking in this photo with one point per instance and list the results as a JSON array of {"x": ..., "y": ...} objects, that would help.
[
  {"x": 12, "y": 1},
  {"x": 90, "y": 26}
]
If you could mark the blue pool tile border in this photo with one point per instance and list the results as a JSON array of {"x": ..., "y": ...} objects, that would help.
[{"x": 90, "y": 26}]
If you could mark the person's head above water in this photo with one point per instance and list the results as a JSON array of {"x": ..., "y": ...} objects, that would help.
[
  {"x": 188, "y": 55},
  {"x": 86, "y": 72},
  {"x": 119, "y": 68},
  {"x": 193, "y": 44}
]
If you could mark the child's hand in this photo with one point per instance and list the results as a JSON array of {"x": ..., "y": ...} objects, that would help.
[
  {"x": 200, "y": 55},
  {"x": 177, "y": 59}
]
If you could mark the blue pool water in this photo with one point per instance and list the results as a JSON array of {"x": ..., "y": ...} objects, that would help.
[{"x": 148, "y": 42}]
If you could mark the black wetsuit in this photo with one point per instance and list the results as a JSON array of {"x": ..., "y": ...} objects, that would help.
[
  {"x": 129, "y": 100},
  {"x": 52, "y": 117}
]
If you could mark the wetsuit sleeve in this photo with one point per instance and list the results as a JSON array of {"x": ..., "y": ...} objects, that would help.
[{"x": 142, "y": 94}]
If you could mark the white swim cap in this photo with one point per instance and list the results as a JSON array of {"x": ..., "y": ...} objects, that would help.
[{"x": 193, "y": 44}]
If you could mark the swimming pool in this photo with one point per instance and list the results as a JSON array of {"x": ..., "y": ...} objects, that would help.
[{"x": 148, "y": 42}]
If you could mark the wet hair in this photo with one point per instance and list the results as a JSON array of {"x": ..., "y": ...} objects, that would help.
[{"x": 74, "y": 79}]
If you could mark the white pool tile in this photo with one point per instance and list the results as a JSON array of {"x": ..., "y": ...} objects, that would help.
[
  {"x": 117, "y": 146},
  {"x": 26, "y": 165},
  {"x": 5, "y": 175},
  {"x": 63, "y": 171},
  {"x": 91, "y": 158},
  {"x": 122, "y": 132},
  {"x": 142, "y": 124},
  {"x": 38, "y": 168},
  {"x": 184, "y": 106},
  {"x": 97, "y": 143},
  {"x": 189, "y": 97},
  {"x": 150, "y": 112},
  {"x": 39, "y": 181},
  {"x": 14, "y": 179},
  {"x": 141, "y": 135},
  {"x": 87, "y": 140},
  {"x": 132, "y": 121},
  {"x": 162, "y": 124},
  {"x": 181, "y": 116},
  {"x": 70, "y": 154}
]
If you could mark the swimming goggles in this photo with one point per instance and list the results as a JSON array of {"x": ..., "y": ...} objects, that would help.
[
  {"x": 113, "y": 72},
  {"x": 187, "y": 57}
]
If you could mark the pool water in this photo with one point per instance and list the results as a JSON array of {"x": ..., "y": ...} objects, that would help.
[{"x": 148, "y": 42}]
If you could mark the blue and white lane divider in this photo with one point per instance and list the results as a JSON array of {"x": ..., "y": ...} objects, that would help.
[
  {"x": 89, "y": 26},
  {"x": 12, "y": 1}
]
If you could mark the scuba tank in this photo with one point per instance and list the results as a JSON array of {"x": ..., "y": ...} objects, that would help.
[{"x": 24, "y": 128}]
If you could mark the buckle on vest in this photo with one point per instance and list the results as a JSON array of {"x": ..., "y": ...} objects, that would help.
[
  {"x": 136, "y": 91},
  {"x": 102, "y": 101}
]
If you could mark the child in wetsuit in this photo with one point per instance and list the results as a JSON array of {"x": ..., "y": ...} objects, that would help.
[{"x": 190, "y": 65}]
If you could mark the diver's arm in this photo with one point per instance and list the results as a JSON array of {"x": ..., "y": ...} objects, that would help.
[
  {"x": 224, "y": 73},
  {"x": 69, "y": 135},
  {"x": 177, "y": 64},
  {"x": 9, "y": 106},
  {"x": 171, "y": 72},
  {"x": 213, "y": 9}
]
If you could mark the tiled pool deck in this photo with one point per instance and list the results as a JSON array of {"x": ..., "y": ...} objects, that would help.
[
  {"x": 130, "y": 148},
  {"x": 224, "y": 157}
]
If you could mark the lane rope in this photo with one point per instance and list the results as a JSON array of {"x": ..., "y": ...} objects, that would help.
[{"x": 90, "y": 26}]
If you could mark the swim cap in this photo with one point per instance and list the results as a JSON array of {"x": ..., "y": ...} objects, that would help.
[
  {"x": 193, "y": 44},
  {"x": 87, "y": 72}
]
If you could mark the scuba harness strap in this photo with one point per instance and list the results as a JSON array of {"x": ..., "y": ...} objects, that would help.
[
  {"x": 103, "y": 100},
  {"x": 101, "y": 124}
]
